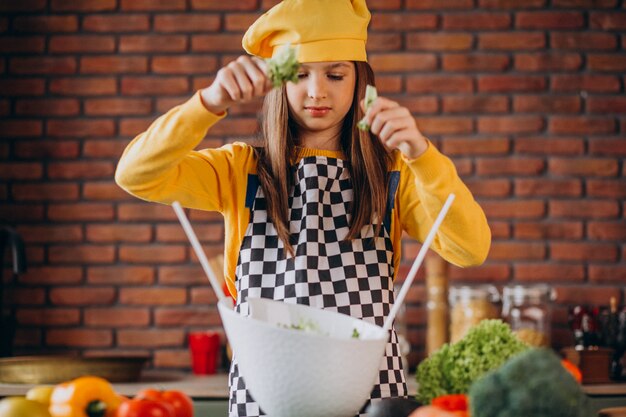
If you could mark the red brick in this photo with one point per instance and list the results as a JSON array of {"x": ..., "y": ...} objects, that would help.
[
  {"x": 584, "y": 167},
  {"x": 20, "y": 171},
  {"x": 586, "y": 295},
  {"x": 583, "y": 209},
  {"x": 22, "y": 44},
  {"x": 133, "y": 126},
  {"x": 56, "y": 149},
  {"x": 445, "y": 125},
  {"x": 106, "y": 191},
  {"x": 22, "y": 86},
  {"x": 489, "y": 187},
  {"x": 475, "y": 146},
  {"x": 581, "y": 251},
  {"x": 51, "y": 233},
  {"x": 153, "y": 43},
  {"x": 585, "y": 82},
  {"x": 512, "y": 4},
  {"x": 20, "y": 128},
  {"x": 404, "y": 62},
  {"x": 83, "y": 254},
  {"x": 509, "y": 251},
  {"x": 549, "y": 146},
  {"x": 606, "y": 104},
  {"x": 154, "y": 85},
  {"x": 439, "y": 84},
  {"x": 153, "y": 296},
  {"x": 201, "y": 215},
  {"x": 582, "y": 40},
  {"x": 417, "y": 104},
  {"x": 511, "y": 83},
  {"x": 546, "y": 272},
  {"x": 384, "y": 42},
  {"x": 178, "y": 358},
  {"x": 511, "y": 41},
  {"x": 549, "y": 20},
  {"x": 183, "y": 64},
  {"x": 79, "y": 338},
  {"x": 82, "y": 296},
  {"x": 116, "y": 23},
  {"x": 49, "y": 275},
  {"x": 492, "y": 272},
  {"x": 84, "y": 86},
  {"x": 45, "y": 192},
  {"x": 203, "y": 296},
  {"x": 22, "y": 6},
  {"x": 219, "y": 5},
  {"x": 439, "y": 41},
  {"x": 510, "y": 124},
  {"x": 102, "y": 148},
  {"x": 475, "y": 62},
  {"x": 80, "y": 127},
  {"x": 613, "y": 20},
  {"x": 548, "y": 62},
  {"x": 47, "y": 107},
  {"x": 153, "y": 5},
  {"x": 581, "y": 125},
  {"x": 113, "y": 64},
  {"x": 19, "y": 212},
  {"x": 196, "y": 316},
  {"x": 146, "y": 212},
  {"x": 606, "y": 62},
  {"x": 385, "y": 4},
  {"x": 531, "y": 187},
  {"x": 81, "y": 43},
  {"x": 553, "y": 230},
  {"x": 80, "y": 211},
  {"x": 476, "y": 21},
  {"x": 153, "y": 254},
  {"x": 500, "y": 230},
  {"x": 182, "y": 275},
  {"x": 83, "y": 5},
  {"x": 117, "y": 317},
  {"x": 119, "y": 233},
  {"x": 543, "y": 104},
  {"x": 585, "y": 4},
  {"x": 196, "y": 22},
  {"x": 438, "y": 4},
  {"x": 515, "y": 209},
  {"x": 127, "y": 275},
  {"x": 117, "y": 107},
  {"x": 25, "y": 296},
  {"x": 380, "y": 21},
  {"x": 45, "y": 24},
  {"x": 48, "y": 317},
  {"x": 606, "y": 188},
  {"x": 216, "y": 43},
  {"x": 610, "y": 274},
  {"x": 42, "y": 65},
  {"x": 174, "y": 233},
  {"x": 151, "y": 338},
  {"x": 80, "y": 170},
  {"x": 607, "y": 231}
]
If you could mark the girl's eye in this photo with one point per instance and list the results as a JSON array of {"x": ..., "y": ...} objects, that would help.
[
  {"x": 302, "y": 75},
  {"x": 335, "y": 77}
]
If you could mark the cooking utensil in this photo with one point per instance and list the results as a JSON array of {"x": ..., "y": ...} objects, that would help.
[{"x": 293, "y": 372}]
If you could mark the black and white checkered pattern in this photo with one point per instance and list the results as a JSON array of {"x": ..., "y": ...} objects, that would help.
[{"x": 352, "y": 277}]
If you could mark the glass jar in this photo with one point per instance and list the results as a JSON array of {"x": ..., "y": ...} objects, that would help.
[
  {"x": 527, "y": 309},
  {"x": 469, "y": 306}
]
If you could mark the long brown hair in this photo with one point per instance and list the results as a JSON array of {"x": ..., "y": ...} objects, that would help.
[{"x": 369, "y": 161}]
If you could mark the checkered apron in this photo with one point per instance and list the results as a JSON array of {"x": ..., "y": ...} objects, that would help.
[{"x": 352, "y": 277}]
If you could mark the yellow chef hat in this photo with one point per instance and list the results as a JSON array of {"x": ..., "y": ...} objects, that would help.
[{"x": 324, "y": 30}]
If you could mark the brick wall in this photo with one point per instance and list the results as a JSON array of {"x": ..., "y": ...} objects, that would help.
[{"x": 526, "y": 96}]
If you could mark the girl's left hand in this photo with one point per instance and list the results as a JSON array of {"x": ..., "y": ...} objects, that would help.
[{"x": 395, "y": 127}]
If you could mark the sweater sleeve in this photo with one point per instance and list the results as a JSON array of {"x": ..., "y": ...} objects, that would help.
[
  {"x": 464, "y": 237},
  {"x": 160, "y": 164}
]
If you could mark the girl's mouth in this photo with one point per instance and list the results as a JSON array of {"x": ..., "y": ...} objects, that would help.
[{"x": 317, "y": 111}]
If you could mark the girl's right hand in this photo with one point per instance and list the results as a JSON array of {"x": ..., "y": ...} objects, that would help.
[{"x": 239, "y": 81}]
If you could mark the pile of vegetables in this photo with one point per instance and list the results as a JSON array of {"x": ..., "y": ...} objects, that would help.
[{"x": 90, "y": 396}]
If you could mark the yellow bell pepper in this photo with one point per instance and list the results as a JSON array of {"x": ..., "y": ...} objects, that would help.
[{"x": 87, "y": 396}]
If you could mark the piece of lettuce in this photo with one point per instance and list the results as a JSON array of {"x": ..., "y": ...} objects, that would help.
[
  {"x": 283, "y": 66},
  {"x": 370, "y": 96}
]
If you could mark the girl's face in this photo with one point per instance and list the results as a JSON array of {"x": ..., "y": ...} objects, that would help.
[{"x": 323, "y": 96}]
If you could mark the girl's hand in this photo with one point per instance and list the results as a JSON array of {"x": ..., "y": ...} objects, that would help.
[
  {"x": 395, "y": 127},
  {"x": 239, "y": 81}
]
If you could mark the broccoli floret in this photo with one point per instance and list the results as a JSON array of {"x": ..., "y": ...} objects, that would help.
[
  {"x": 533, "y": 383},
  {"x": 453, "y": 368},
  {"x": 284, "y": 66}
]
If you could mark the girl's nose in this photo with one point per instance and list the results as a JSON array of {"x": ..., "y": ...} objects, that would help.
[{"x": 316, "y": 87}]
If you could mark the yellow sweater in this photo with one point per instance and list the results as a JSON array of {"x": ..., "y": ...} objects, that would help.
[{"x": 160, "y": 165}]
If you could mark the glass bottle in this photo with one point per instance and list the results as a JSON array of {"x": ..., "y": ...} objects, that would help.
[
  {"x": 528, "y": 310},
  {"x": 469, "y": 305}
]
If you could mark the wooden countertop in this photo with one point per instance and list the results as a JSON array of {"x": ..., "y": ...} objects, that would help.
[{"x": 215, "y": 387}]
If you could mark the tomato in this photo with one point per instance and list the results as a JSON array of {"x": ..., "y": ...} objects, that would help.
[
  {"x": 182, "y": 404},
  {"x": 145, "y": 408},
  {"x": 21, "y": 407}
]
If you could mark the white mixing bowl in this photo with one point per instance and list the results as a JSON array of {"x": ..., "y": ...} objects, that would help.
[{"x": 297, "y": 373}]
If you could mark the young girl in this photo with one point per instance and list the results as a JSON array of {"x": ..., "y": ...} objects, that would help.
[{"x": 316, "y": 214}]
